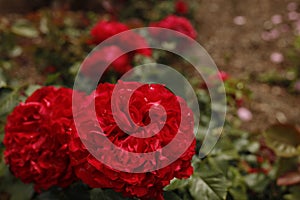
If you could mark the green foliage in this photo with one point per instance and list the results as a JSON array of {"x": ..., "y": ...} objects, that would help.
[
  {"x": 13, "y": 187},
  {"x": 207, "y": 182}
]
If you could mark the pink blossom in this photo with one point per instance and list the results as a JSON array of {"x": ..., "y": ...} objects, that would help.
[
  {"x": 276, "y": 57},
  {"x": 284, "y": 28},
  {"x": 276, "y": 19},
  {"x": 274, "y": 34},
  {"x": 244, "y": 114},
  {"x": 297, "y": 27},
  {"x": 292, "y": 6},
  {"x": 223, "y": 75},
  {"x": 239, "y": 20},
  {"x": 297, "y": 86},
  {"x": 266, "y": 36},
  {"x": 293, "y": 15}
]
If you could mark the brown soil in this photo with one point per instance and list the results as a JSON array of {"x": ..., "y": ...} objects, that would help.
[{"x": 241, "y": 52}]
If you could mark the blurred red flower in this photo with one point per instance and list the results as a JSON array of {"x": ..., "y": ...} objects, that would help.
[
  {"x": 176, "y": 23},
  {"x": 105, "y": 29},
  {"x": 130, "y": 43},
  {"x": 181, "y": 7},
  {"x": 102, "y": 58}
]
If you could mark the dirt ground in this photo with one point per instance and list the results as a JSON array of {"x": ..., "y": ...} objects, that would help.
[{"x": 240, "y": 51}]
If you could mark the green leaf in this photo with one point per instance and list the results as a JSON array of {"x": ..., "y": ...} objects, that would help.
[
  {"x": 51, "y": 194},
  {"x": 2, "y": 164},
  {"x": 207, "y": 182},
  {"x": 21, "y": 191},
  {"x": 2, "y": 79},
  {"x": 52, "y": 78},
  {"x": 171, "y": 196},
  {"x": 14, "y": 187},
  {"x": 177, "y": 184},
  {"x": 257, "y": 182},
  {"x": 25, "y": 29},
  {"x": 98, "y": 194},
  {"x": 8, "y": 100},
  {"x": 237, "y": 189},
  {"x": 294, "y": 193},
  {"x": 31, "y": 89},
  {"x": 208, "y": 186},
  {"x": 283, "y": 139},
  {"x": 285, "y": 165},
  {"x": 105, "y": 194}
]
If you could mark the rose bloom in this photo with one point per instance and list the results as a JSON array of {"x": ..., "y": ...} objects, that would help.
[
  {"x": 181, "y": 7},
  {"x": 147, "y": 185},
  {"x": 176, "y": 23},
  {"x": 36, "y": 139},
  {"x": 106, "y": 29},
  {"x": 214, "y": 79},
  {"x": 98, "y": 60}
]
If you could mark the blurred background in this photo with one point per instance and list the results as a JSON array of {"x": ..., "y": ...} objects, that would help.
[{"x": 254, "y": 43}]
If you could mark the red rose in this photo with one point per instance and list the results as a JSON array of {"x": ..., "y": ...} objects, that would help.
[
  {"x": 176, "y": 23},
  {"x": 181, "y": 7},
  {"x": 105, "y": 29},
  {"x": 164, "y": 126},
  {"x": 36, "y": 139},
  {"x": 100, "y": 59},
  {"x": 50, "y": 69},
  {"x": 214, "y": 79},
  {"x": 133, "y": 41},
  {"x": 223, "y": 76}
]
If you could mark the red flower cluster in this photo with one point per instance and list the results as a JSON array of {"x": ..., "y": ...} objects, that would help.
[
  {"x": 106, "y": 29},
  {"x": 36, "y": 139},
  {"x": 143, "y": 185},
  {"x": 43, "y": 146},
  {"x": 176, "y": 23}
]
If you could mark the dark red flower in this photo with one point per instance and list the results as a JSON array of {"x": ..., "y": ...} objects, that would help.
[
  {"x": 176, "y": 23},
  {"x": 181, "y": 7},
  {"x": 130, "y": 43},
  {"x": 50, "y": 69},
  {"x": 132, "y": 40},
  {"x": 100, "y": 59},
  {"x": 223, "y": 75},
  {"x": 163, "y": 126},
  {"x": 214, "y": 79},
  {"x": 239, "y": 101},
  {"x": 36, "y": 139},
  {"x": 105, "y": 29}
]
